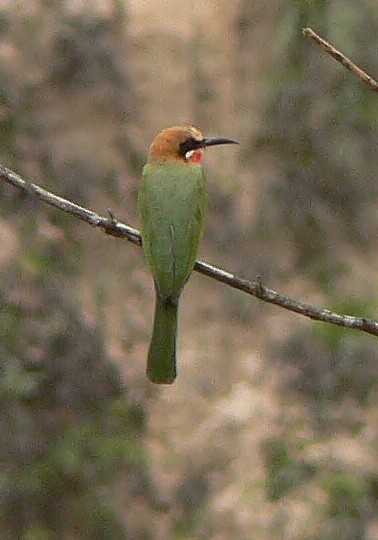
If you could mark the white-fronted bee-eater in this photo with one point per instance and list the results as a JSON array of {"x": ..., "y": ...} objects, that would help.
[{"x": 172, "y": 205}]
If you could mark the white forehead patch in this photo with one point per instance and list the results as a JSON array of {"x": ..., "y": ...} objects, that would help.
[{"x": 197, "y": 135}]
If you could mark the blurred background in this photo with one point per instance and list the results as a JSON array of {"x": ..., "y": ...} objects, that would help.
[{"x": 271, "y": 430}]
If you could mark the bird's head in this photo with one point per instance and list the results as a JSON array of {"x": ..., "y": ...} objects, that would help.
[{"x": 182, "y": 144}]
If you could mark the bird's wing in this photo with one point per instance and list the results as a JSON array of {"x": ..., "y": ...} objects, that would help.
[{"x": 172, "y": 205}]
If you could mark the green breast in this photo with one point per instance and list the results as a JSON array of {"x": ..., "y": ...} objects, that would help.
[{"x": 172, "y": 204}]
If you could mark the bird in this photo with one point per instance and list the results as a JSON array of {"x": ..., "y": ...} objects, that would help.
[{"x": 172, "y": 206}]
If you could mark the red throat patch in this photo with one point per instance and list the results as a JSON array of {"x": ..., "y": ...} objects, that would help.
[{"x": 195, "y": 156}]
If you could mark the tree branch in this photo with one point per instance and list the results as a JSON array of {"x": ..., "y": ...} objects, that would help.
[
  {"x": 340, "y": 57},
  {"x": 116, "y": 228}
]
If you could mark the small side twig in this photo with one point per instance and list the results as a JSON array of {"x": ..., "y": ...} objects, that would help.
[
  {"x": 340, "y": 57},
  {"x": 111, "y": 225}
]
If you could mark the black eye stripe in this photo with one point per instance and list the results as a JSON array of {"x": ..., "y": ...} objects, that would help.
[{"x": 188, "y": 145}]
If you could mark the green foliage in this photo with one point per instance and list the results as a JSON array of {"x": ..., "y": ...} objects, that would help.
[
  {"x": 320, "y": 127},
  {"x": 67, "y": 430},
  {"x": 334, "y": 336},
  {"x": 331, "y": 365},
  {"x": 7, "y": 126},
  {"x": 349, "y": 504},
  {"x": 284, "y": 472},
  {"x": 16, "y": 383},
  {"x": 347, "y": 494}
]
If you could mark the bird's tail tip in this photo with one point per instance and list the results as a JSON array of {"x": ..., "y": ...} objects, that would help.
[{"x": 161, "y": 362}]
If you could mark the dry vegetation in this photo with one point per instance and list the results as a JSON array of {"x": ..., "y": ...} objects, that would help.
[{"x": 271, "y": 429}]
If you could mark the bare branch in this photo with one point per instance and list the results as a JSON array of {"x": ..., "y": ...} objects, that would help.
[
  {"x": 110, "y": 225},
  {"x": 340, "y": 57},
  {"x": 116, "y": 228}
]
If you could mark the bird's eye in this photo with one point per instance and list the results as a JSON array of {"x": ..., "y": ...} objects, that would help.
[{"x": 189, "y": 146}]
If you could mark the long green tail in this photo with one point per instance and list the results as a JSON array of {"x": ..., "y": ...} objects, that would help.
[{"x": 161, "y": 362}]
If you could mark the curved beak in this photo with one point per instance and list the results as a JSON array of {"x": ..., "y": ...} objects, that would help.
[{"x": 212, "y": 141}]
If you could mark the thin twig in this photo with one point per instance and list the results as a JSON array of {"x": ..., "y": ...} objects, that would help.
[
  {"x": 340, "y": 57},
  {"x": 116, "y": 228}
]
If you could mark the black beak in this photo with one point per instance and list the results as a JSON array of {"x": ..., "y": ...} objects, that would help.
[{"x": 212, "y": 141}]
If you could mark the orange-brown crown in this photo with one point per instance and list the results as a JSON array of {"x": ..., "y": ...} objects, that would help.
[
  {"x": 182, "y": 144},
  {"x": 174, "y": 143}
]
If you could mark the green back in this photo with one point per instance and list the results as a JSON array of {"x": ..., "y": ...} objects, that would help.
[{"x": 172, "y": 204}]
